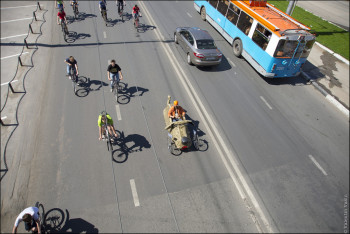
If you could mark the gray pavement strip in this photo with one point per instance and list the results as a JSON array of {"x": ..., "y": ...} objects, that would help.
[
  {"x": 329, "y": 97},
  {"x": 17, "y": 100}
]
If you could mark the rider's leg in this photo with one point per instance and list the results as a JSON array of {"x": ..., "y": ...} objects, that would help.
[
  {"x": 114, "y": 78},
  {"x": 114, "y": 132},
  {"x": 68, "y": 70}
]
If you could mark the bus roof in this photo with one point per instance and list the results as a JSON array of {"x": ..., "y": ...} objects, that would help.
[{"x": 269, "y": 16}]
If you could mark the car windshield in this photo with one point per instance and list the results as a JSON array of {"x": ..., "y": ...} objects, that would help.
[{"x": 205, "y": 44}]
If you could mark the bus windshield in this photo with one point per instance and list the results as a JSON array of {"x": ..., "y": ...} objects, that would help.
[
  {"x": 286, "y": 48},
  {"x": 205, "y": 44}
]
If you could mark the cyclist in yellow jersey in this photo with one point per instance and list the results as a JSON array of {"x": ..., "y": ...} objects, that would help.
[{"x": 101, "y": 123}]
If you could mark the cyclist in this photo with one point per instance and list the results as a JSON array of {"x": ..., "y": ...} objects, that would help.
[
  {"x": 102, "y": 6},
  {"x": 30, "y": 216},
  {"x": 72, "y": 2},
  {"x": 135, "y": 12},
  {"x": 71, "y": 64},
  {"x": 101, "y": 122},
  {"x": 176, "y": 112},
  {"x": 61, "y": 15},
  {"x": 114, "y": 73},
  {"x": 120, "y": 4},
  {"x": 59, "y": 4}
]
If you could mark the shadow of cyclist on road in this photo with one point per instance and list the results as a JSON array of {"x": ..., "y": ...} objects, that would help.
[{"x": 129, "y": 144}]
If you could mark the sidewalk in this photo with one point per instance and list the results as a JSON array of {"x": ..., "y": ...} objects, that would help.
[{"x": 329, "y": 73}]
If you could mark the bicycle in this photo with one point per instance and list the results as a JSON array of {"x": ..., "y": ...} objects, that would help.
[
  {"x": 41, "y": 216},
  {"x": 64, "y": 28},
  {"x": 74, "y": 78},
  {"x": 136, "y": 22},
  {"x": 104, "y": 15},
  {"x": 106, "y": 134},
  {"x": 121, "y": 11},
  {"x": 75, "y": 10}
]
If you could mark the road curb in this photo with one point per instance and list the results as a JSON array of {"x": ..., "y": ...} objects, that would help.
[
  {"x": 329, "y": 97},
  {"x": 341, "y": 58}
]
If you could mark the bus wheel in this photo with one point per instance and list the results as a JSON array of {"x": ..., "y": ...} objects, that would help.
[
  {"x": 237, "y": 47},
  {"x": 203, "y": 14}
]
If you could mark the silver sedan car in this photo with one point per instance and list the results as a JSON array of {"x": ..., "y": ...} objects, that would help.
[{"x": 198, "y": 45}]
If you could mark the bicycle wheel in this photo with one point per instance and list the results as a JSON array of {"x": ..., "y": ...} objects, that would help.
[{"x": 115, "y": 90}]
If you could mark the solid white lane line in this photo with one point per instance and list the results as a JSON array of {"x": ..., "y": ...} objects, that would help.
[
  {"x": 189, "y": 14},
  {"x": 232, "y": 63},
  {"x": 222, "y": 150},
  {"x": 13, "y": 55},
  {"x": 9, "y": 82},
  {"x": 317, "y": 164},
  {"x": 134, "y": 193},
  {"x": 4, "y": 8},
  {"x": 20, "y": 35},
  {"x": 104, "y": 35},
  {"x": 119, "y": 116},
  {"x": 267, "y": 104},
  {"x": 5, "y": 117},
  {"x": 16, "y": 20}
]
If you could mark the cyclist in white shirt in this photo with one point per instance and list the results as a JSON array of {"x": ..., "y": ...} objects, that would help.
[{"x": 30, "y": 216}]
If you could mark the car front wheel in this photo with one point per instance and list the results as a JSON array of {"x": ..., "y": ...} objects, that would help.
[
  {"x": 175, "y": 39},
  {"x": 189, "y": 59}
]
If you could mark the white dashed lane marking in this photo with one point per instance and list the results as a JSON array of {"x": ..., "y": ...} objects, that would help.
[
  {"x": 119, "y": 116},
  {"x": 317, "y": 165},
  {"x": 9, "y": 82},
  {"x": 232, "y": 63},
  {"x": 13, "y": 55},
  {"x": 104, "y": 35},
  {"x": 16, "y": 20},
  {"x": 134, "y": 193},
  {"x": 5, "y": 8},
  {"x": 189, "y": 14},
  {"x": 20, "y": 35},
  {"x": 267, "y": 104}
]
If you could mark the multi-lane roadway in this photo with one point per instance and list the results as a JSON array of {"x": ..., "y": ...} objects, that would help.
[{"x": 277, "y": 157}]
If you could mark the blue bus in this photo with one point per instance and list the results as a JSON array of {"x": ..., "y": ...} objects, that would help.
[{"x": 274, "y": 43}]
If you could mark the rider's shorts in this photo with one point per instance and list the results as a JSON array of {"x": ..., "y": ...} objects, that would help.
[{"x": 29, "y": 226}]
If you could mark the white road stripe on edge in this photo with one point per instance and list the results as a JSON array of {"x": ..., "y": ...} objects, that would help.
[
  {"x": 20, "y": 35},
  {"x": 134, "y": 192},
  {"x": 13, "y": 55},
  {"x": 9, "y": 82},
  {"x": 119, "y": 116},
  {"x": 317, "y": 165},
  {"x": 104, "y": 35},
  {"x": 189, "y": 14},
  {"x": 267, "y": 104},
  {"x": 232, "y": 63},
  {"x": 4, "y": 8},
  {"x": 16, "y": 20}
]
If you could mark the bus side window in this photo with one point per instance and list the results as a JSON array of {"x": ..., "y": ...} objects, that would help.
[
  {"x": 214, "y": 3},
  {"x": 222, "y": 6},
  {"x": 233, "y": 13},
  {"x": 244, "y": 23},
  {"x": 261, "y": 36}
]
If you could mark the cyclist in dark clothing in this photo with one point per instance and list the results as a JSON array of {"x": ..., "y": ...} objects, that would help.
[{"x": 114, "y": 73}]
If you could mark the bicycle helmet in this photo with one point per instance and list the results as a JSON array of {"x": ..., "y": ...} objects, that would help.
[{"x": 176, "y": 103}]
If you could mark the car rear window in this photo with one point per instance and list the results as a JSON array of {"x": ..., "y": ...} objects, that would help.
[{"x": 205, "y": 44}]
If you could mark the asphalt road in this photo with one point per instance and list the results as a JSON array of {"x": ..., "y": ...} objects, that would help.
[
  {"x": 339, "y": 11},
  {"x": 270, "y": 128}
]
